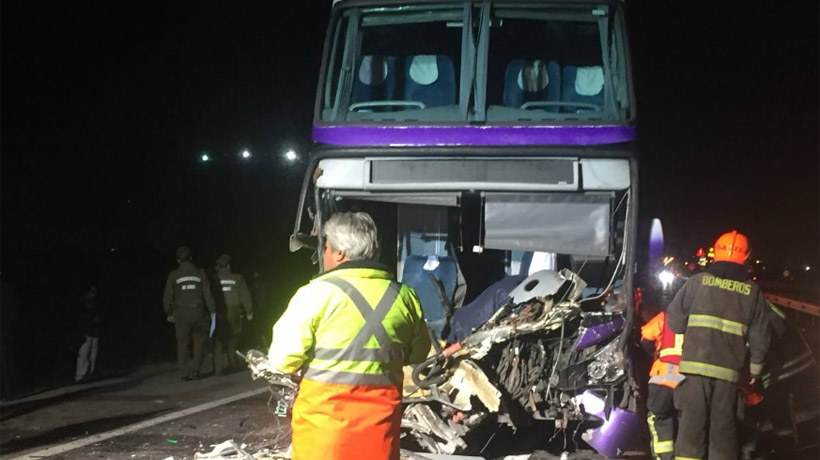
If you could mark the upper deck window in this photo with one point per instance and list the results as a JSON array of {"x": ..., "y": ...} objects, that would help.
[
  {"x": 476, "y": 62},
  {"x": 396, "y": 63}
]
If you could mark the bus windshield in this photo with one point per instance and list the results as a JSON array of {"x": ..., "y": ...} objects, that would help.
[{"x": 466, "y": 62}]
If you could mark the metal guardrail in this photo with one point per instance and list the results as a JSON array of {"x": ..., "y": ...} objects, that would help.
[{"x": 805, "y": 307}]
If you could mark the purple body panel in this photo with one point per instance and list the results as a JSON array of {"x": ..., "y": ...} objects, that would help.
[
  {"x": 597, "y": 334},
  {"x": 471, "y": 135},
  {"x": 613, "y": 437}
]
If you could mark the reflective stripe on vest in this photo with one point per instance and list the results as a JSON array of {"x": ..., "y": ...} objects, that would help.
[
  {"x": 708, "y": 370},
  {"x": 669, "y": 377},
  {"x": 720, "y": 324},
  {"x": 671, "y": 344},
  {"x": 351, "y": 378},
  {"x": 355, "y": 350}
]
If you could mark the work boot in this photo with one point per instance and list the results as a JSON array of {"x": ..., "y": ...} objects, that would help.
[{"x": 191, "y": 376}]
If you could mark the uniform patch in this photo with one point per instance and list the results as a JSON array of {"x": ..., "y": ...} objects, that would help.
[
  {"x": 729, "y": 285},
  {"x": 186, "y": 279}
]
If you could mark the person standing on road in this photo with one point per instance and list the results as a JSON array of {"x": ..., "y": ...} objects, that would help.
[
  {"x": 723, "y": 315},
  {"x": 90, "y": 323},
  {"x": 351, "y": 329},
  {"x": 666, "y": 347},
  {"x": 237, "y": 298},
  {"x": 188, "y": 301}
]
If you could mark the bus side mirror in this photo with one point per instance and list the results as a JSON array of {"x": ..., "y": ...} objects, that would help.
[{"x": 299, "y": 241}]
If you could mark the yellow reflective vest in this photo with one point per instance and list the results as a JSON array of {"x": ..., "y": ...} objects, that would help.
[{"x": 351, "y": 325}]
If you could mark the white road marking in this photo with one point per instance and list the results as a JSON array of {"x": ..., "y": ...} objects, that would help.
[{"x": 93, "y": 439}]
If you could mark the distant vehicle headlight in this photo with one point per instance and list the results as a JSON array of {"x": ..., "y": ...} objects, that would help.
[{"x": 666, "y": 277}]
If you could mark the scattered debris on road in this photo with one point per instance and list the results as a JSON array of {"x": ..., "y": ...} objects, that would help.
[{"x": 230, "y": 450}]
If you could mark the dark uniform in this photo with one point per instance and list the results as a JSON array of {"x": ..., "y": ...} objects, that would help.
[
  {"x": 188, "y": 303},
  {"x": 237, "y": 298},
  {"x": 724, "y": 317}
]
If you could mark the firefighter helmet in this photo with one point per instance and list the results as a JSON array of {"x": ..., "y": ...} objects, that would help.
[{"x": 732, "y": 247}]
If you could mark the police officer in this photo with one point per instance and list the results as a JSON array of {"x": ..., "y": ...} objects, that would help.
[
  {"x": 724, "y": 317},
  {"x": 188, "y": 301},
  {"x": 237, "y": 298}
]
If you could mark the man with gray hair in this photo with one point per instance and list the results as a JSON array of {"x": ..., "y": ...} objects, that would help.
[{"x": 350, "y": 330}]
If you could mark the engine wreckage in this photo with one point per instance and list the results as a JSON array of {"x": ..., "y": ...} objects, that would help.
[{"x": 540, "y": 356}]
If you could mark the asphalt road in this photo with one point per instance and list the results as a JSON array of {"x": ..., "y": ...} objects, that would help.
[{"x": 165, "y": 416}]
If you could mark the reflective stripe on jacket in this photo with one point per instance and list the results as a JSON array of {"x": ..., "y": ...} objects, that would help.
[
  {"x": 671, "y": 345},
  {"x": 725, "y": 325},
  {"x": 351, "y": 330},
  {"x": 663, "y": 372}
]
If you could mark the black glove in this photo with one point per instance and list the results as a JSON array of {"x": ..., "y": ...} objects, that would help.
[{"x": 648, "y": 346}]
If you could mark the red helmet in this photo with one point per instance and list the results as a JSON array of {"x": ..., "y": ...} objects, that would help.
[{"x": 732, "y": 247}]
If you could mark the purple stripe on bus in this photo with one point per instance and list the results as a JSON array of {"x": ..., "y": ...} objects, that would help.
[{"x": 471, "y": 135}]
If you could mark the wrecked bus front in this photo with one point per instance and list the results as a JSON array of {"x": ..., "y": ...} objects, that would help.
[{"x": 494, "y": 145}]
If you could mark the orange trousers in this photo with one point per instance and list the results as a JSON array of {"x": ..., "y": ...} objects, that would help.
[{"x": 333, "y": 421}]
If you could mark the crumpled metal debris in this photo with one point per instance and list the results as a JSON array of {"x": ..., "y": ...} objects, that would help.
[
  {"x": 470, "y": 380},
  {"x": 425, "y": 423},
  {"x": 227, "y": 449},
  {"x": 230, "y": 450},
  {"x": 476, "y": 377}
]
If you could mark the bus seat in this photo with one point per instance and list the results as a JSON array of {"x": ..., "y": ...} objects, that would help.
[
  {"x": 430, "y": 79},
  {"x": 416, "y": 275},
  {"x": 582, "y": 84},
  {"x": 375, "y": 79},
  {"x": 529, "y": 81}
]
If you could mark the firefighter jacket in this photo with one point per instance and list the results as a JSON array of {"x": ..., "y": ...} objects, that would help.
[
  {"x": 724, "y": 317},
  {"x": 235, "y": 290},
  {"x": 668, "y": 348},
  {"x": 350, "y": 330},
  {"x": 187, "y": 287}
]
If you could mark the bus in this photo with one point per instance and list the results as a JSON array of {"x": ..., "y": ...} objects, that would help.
[{"x": 494, "y": 144}]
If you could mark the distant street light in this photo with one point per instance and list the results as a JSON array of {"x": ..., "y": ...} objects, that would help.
[
  {"x": 246, "y": 154},
  {"x": 205, "y": 158},
  {"x": 290, "y": 155}
]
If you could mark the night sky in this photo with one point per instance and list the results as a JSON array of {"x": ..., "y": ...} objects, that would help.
[{"x": 106, "y": 108}]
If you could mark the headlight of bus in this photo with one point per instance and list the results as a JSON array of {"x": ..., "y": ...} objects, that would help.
[{"x": 607, "y": 365}]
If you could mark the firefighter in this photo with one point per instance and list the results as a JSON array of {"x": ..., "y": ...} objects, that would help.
[
  {"x": 237, "y": 298},
  {"x": 666, "y": 347},
  {"x": 351, "y": 329},
  {"x": 723, "y": 315},
  {"x": 188, "y": 301}
]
